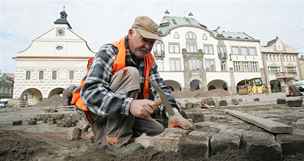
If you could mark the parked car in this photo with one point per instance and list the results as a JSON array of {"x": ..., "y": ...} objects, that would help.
[
  {"x": 3, "y": 103},
  {"x": 300, "y": 86}
]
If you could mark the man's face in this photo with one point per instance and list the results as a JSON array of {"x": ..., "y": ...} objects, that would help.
[{"x": 139, "y": 45}]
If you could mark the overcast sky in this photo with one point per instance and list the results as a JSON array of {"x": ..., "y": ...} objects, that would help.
[{"x": 101, "y": 21}]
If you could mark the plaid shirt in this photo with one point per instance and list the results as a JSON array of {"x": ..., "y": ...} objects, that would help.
[{"x": 96, "y": 92}]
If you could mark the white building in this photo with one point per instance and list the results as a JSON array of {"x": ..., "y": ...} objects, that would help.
[
  {"x": 281, "y": 64},
  {"x": 190, "y": 55},
  {"x": 53, "y": 61}
]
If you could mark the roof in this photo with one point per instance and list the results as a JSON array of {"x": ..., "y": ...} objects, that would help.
[
  {"x": 271, "y": 42},
  {"x": 278, "y": 46},
  {"x": 228, "y": 35},
  {"x": 169, "y": 23}
]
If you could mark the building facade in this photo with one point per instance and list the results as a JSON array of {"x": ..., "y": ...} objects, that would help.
[
  {"x": 189, "y": 55},
  {"x": 52, "y": 62},
  {"x": 281, "y": 64}
]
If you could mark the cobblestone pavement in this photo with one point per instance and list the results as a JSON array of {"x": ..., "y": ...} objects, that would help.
[{"x": 217, "y": 136}]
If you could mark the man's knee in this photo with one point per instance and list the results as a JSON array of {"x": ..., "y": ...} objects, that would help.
[
  {"x": 133, "y": 72},
  {"x": 125, "y": 80}
]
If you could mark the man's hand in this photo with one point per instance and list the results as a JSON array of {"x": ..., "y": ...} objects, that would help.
[
  {"x": 178, "y": 121},
  {"x": 142, "y": 108}
]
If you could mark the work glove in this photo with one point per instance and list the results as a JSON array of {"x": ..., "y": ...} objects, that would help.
[
  {"x": 142, "y": 108},
  {"x": 178, "y": 121}
]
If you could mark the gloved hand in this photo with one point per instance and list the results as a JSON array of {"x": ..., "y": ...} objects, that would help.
[
  {"x": 178, "y": 121},
  {"x": 142, "y": 108}
]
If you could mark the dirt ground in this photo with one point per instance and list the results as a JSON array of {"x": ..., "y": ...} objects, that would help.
[
  {"x": 44, "y": 142},
  {"x": 23, "y": 146}
]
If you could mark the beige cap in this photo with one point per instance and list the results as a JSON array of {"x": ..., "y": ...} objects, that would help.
[{"x": 146, "y": 27}]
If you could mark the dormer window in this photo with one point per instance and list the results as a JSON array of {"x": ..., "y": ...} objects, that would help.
[
  {"x": 176, "y": 35},
  {"x": 205, "y": 36}
]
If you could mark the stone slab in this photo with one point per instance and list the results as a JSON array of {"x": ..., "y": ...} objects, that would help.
[
  {"x": 292, "y": 143},
  {"x": 195, "y": 116},
  {"x": 294, "y": 101},
  {"x": 167, "y": 141},
  {"x": 223, "y": 141},
  {"x": 16, "y": 123},
  {"x": 267, "y": 124},
  {"x": 193, "y": 147},
  {"x": 299, "y": 124},
  {"x": 261, "y": 146}
]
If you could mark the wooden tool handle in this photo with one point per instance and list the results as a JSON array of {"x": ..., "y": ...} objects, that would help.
[{"x": 156, "y": 104}]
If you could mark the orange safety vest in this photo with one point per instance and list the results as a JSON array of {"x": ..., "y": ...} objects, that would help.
[{"x": 119, "y": 63}]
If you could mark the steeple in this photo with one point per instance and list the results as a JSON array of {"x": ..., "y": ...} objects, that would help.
[{"x": 63, "y": 19}]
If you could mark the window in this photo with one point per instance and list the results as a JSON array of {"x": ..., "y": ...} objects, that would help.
[
  {"x": 208, "y": 49},
  {"x": 195, "y": 65},
  {"x": 54, "y": 75},
  {"x": 234, "y": 50},
  {"x": 176, "y": 35},
  {"x": 282, "y": 58},
  {"x": 273, "y": 69},
  {"x": 59, "y": 47},
  {"x": 191, "y": 44},
  {"x": 27, "y": 75},
  {"x": 252, "y": 51},
  {"x": 205, "y": 37},
  {"x": 159, "y": 49},
  {"x": 71, "y": 74},
  {"x": 60, "y": 32},
  {"x": 222, "y": 52},
  {"x": 160, "y": 65},
  {"x": 41, "y": 75},
  {"x": 210, "y": 65},
  {"x": 291, "y": 69},
  {"x": 175, "y": 64},
  {"x": 243, "y": 51},
  {"x": 224, "y": 66},
  {"x": 245, "y": 66},
  {"x": 173, "y": 48}
]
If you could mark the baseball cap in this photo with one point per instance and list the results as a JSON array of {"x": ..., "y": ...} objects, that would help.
[{"x": 146, "y": 27}]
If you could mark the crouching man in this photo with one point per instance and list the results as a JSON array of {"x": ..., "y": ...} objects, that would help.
[{"x": 117, "y": 90}]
